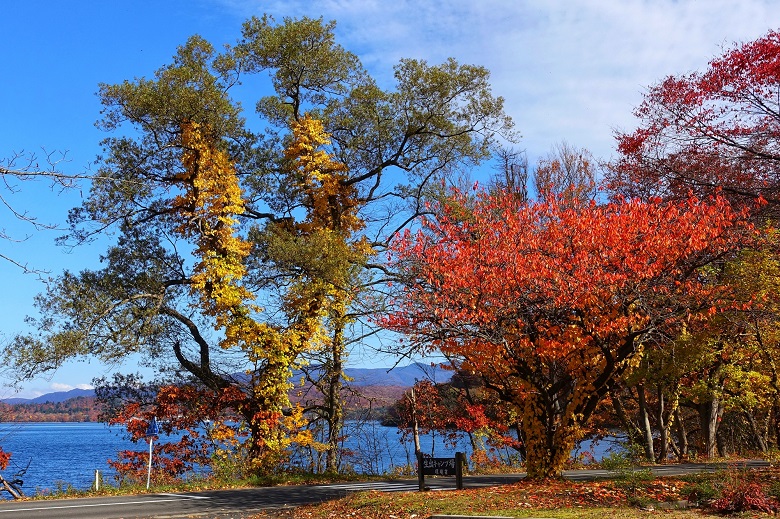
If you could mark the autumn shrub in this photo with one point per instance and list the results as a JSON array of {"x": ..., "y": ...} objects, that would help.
[
  {"x": 581, "y": 460},
  {"x": 482, "y": 461},
  {"x": 622, "y": 465},
  {"x": 700, "y": 492},
  {"x": 774, "y": 490},
  {"x": 744, "y": 497},
  {"x": 230, "y": 464},
  {"x": 623, "y": 456},
  {"x": 773, "y": 456},
  {"x": 621, "y": 460}
]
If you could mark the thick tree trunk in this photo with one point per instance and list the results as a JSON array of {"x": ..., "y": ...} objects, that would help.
[
  {"x": 709, "y": 418},
  {"x": 550, "y": 438},
  {"x": 335, "y": 404}
]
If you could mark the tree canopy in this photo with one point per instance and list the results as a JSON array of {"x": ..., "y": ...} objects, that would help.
[
  {"x": 550, "y": 303},
  {"x": 709, "y": 131},
  {"x": 238, "y": 248}
]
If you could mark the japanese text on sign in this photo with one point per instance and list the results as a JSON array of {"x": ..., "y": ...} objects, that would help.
[{"x": 438, "y": 466}]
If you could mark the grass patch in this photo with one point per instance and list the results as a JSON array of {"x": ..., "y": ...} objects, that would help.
[
  {"x": 508, "y": 502},
  {"x": 65, "y": 490},
  {"x": 556, "y": 499}
]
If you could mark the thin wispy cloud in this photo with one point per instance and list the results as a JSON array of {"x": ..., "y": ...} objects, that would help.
[{"x": 568, "y": 69}]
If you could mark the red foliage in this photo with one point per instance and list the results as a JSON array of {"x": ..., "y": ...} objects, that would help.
[
  {"x": 744, "y": 497},
  {"x": 5, "y": 457},
  {"x": 549, "y": 302},
  {"x": 450, "y": 411},
  {"x": 182, "y": 411},
  {"x": 709, "y": 131}
]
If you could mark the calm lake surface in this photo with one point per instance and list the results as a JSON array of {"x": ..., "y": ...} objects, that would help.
[
  {"x": 62, "y": 454},
  {"x": 69, "y": 453}
]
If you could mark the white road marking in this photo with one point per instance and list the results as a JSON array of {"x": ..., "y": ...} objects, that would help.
[
  {"x": 185, "y": 496},
  {"x": 122, "y": 503}
]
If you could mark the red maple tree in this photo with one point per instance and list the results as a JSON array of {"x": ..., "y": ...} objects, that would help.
[
  {"x": 716, "y": 130},
  {"x": 550, "y": 303},
  {"x": 196, "y": 423}
]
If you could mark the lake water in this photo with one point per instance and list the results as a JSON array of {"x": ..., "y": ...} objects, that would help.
[{"x": 69, "y": 453}]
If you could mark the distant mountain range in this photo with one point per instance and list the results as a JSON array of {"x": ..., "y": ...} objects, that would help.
[
  {"x": 402, "y": 376},
  {"x": 54, "y": 398}
]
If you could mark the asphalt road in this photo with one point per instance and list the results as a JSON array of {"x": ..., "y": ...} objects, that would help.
[{"x": 236, "y": 504}]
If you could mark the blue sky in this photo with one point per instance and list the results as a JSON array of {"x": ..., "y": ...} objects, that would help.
[{"x": 568, "y": 69}]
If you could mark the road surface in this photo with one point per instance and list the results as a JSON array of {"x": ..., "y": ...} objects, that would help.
[{"x": 236, "y": 504}]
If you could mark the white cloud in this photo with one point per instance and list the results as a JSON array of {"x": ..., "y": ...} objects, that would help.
[
  {"x": 58, "y": 386},
  {"x": 568, "y": 69}
]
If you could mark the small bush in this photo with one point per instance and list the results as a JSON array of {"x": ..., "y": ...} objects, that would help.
[
  {"x": 700, "y": 492},
  {"x": 744, "y": 497},
  {"x": 622, "y": 466},
  {"x": 616, "y": 462},
  {"x": 774, "y": 490}
]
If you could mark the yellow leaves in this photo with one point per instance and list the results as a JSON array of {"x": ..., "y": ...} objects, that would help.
[
  {"x": 209, "y": 206},
  {"x": 332, "y": 202}
]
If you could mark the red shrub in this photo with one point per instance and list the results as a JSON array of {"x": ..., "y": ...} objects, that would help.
[{"x": 744, "y": 497}]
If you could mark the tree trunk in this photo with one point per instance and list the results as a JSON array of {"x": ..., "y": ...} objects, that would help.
[
  {"x": 757, "y": 433},
  {"x": 682, "y": 434},
  {"x": 335, "y": 404},
  {"x": 550, "y": 437},
  {"x": 721, "y": 443},
  {"x": 644, "y": 421},
  {"x": 632, "y": 431},
  {"x": 663, "y": 431},
  {"x": 665, "y": 419},
  {"x": 11, "y": 488},
  {"x": 709, "y": 418},
  {"x": 415, "y": 423}
]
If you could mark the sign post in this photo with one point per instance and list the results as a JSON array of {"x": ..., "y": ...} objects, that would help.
[
  {"x": 151, "y": 431},
  {"x": 440, "y": 467}
]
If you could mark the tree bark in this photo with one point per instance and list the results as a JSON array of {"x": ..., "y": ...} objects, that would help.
[
  {"x": 757, "y": 433},
  {"x": 335, "y": 404},
  {"x": 11, "y": 488},
  {"x": 550, "y": 437},
  {"x": 682, "y": 434},
  {"x": 415, "y": 423},
  {"x": 710, "y": 413},
  {"x": 665, "y": 418},
  {"x": 644, "y": 421},
  {"x": 633, "y": 432}
]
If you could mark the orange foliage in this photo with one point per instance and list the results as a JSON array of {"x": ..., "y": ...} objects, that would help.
[
  {"x": 5, "y": 457},
  {"x": 550, "y": 302},
  {"x": 197, "y": 417}
]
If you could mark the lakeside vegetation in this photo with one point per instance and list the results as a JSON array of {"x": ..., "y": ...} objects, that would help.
[
  {"x": 645, "y": 304},
  {"x": 79, "y": 409},
  {"x": 628, "y": 495},
  {"x": 631, "y": 492}
]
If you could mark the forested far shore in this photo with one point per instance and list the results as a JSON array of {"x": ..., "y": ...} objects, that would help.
[
  {"x": 79, "y": 409},
  {"x": 372, "y": 402}
]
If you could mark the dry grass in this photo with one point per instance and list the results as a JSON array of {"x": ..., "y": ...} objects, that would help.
[{"x": 554, "y": 500}]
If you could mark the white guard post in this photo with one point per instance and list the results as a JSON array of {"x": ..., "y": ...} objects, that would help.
[{"x": 151, "y": 431}]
